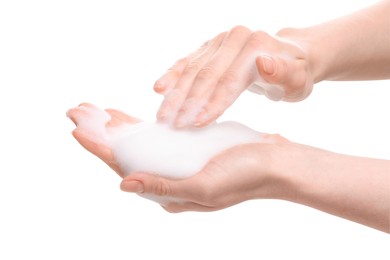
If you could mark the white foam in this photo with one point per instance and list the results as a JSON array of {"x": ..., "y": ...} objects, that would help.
[{"x": 160, "y": 149}]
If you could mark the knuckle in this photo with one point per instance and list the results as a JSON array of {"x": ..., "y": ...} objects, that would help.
[
  {"x": 257, "y": 39},
  {"x": 206, "y": 72},
  {"x": 161, "y": 188},
  {"x": 239, "y": 29},
  {"x": 229, "y": 77},
  {"x": 191, "y": 68}
]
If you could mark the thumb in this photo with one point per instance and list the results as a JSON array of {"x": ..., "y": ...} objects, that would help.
[
  {"x": 153, "y": 184},
  {"x": 273, "y": 70},
  {"x": 287, "y": 73}
]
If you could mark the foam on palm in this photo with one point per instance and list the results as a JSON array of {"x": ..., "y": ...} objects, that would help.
[{"x": 160, "y": 149}]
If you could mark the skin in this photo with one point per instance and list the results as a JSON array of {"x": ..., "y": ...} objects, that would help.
[
  {"x": 200, "y": 87},
  {"x": 88, "y": 139},
  {"x": 351, "y": 187}
]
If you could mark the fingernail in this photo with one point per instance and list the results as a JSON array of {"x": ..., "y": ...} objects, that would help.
[
  {"x": 133, "y": 186},
  {"x": 158, "y": 87},
  {"x": 201, "y": 118},
  {"x": 268, "y": 65}
]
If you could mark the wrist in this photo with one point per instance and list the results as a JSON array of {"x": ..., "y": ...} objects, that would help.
[
  {"x": 294, "y": 167},
  {"x": 305, "y": 39},
  {"x": 350, "y": 187},
  {"x": 280, "y": 167}
]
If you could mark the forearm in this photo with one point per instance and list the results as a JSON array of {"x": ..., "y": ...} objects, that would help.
[
  {"x": 354, "y": 47},
  {"x": 353, "y": 188}
]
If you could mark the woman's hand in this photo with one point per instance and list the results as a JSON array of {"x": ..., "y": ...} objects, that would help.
[
  {"x": 241, "y": 173},
  {"x": 238, "y": 174},
  {"x": 200, "y": 87},
  {"x": 351, "y": 187}
]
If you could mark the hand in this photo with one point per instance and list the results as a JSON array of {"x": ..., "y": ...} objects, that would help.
[
  {"x": 351, "y": 187},
  {"x": 238, "y": 174},
  {"x": 93, "y": 139},
  {"x": 200, "y": 87}
]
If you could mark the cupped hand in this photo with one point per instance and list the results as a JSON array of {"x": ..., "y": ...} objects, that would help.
[
  {"x": 238, "y": 174},
  {"x": 94, "y": 138},
  {"x": 200, "y": 87}
]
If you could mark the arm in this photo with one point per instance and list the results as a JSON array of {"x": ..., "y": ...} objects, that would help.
[
  {"x": 353, "y": 188},
  {"x": 350, "y": 187},
  {"x": 354, "y": 47}
]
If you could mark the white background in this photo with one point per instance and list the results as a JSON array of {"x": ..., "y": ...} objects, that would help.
[{"x": 57, "y": 201}]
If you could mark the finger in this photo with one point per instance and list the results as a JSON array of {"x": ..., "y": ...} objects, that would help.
[
  {"x": 231, "y": 84},
  {"x": 166, "y": 82},
  {"x": 78, "y": 113},
  {"x": 118, "y": 118},
  {"x": 190, "y": 189},
  {"x": 174, "y": 99},
  {"x": 237, "y": 78},
  {"x": 207, "y": 78},
  {"x": 102, "y": 151},
  {"x": 92, "y": 143},
  {"x": 75, "y": 114},
  {"x": 289, "y": 73}
]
